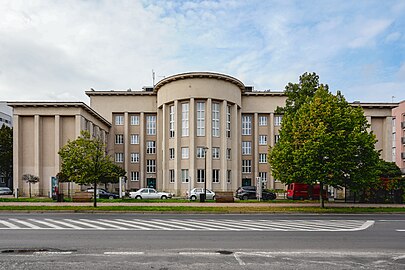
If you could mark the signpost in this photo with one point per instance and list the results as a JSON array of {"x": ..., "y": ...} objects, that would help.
[{"x": 259, "y": 188}]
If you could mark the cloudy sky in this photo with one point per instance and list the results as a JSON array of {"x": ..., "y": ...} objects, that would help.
[{"x": 55, "y": 50}]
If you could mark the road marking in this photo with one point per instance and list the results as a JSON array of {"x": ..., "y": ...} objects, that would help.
[
  {"x": 124, "y": 253},
  {"x": 31, "y": 226},
  {"x": 239, "y": 259},
  {"x": 200, "y": 253},
  {"x": 52, "y": 252},
  {"x": 46, "y": 223},
  {"x": 9, "y": 224},
  {"x": 85, "y": 224},
  {"x": 65, "y": 224}
]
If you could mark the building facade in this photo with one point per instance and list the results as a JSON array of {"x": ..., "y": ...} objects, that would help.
[
  {"x": 398, "y": 133},
  {"x": 187, "y": 129}
]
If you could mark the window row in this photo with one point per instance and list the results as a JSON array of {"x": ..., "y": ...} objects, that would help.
[{"x": 150, "y": 122}]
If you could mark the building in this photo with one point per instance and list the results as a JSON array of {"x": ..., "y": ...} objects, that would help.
[
  {"x": 398, "y": 133},
  {"x": 186, "y": 129},
  {"x": 5, "y": 115}
]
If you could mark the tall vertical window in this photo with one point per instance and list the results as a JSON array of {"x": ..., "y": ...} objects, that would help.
[
  {"x": 246, "y": 166},
  {"x": 201, "y": 152},
  {"x": 228, "y": 121},
  {"x": 171, "y": 153},
  {"x": 134, "y": 157},
  {"x": 119, "y": 120},
  {"x": 151, "y": 166},
  {"x": 119, "y": 157},
  {"x": 171, "y": 122},
  {"x": 262, "y": 120},
  {"x": 134, "y": 138},
  {"x": 150, "y": 147},
  {"x": 200, "y": 119},
  {"x": 228, "y": 153},
  {"x": 215, "y": 119},
  {"x": 263, "y": 176},
  {"x": 184, "y": 175},
  {"x": 246, "y": 148},
  {"x": 228, "y": 176},
  {"x": 172, "y": 176},
  {"x": 119, "y": 139},
  {"x": 262, "y": 158},
  {"x": 134, "y": 120},
  {"x": 215, "y": 152},
  {"x": 200, "y": 176},
  {"x": 151, "y": 125},
  {"x": 184, "y": 153},
  {"x": 262, "y": 139},
  {"x": 276, "y": 138},
  {"x": 277, "y": 120},
  {"x": 246, "y": 125},
  {"x": 184, "y": 119},
  {"x": 134, "y": 176},
  {"x": 215, "y": 176}
]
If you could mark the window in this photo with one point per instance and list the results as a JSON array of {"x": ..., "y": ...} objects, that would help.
[
  {"x": 201, "y": 152},
  {"x": 277, "y": 120},
  {"x": 215, "y": 176},
  {"x": 262, "y": 120},
  {"x": 246, "y": 166},
  {"x": 215, "y": 152},
  {"x": 172, "y": 176},
  {"x": 135, "y": 120},
  {"x": 171, "y": 122},
  {"x": 184, "y": 175},
  {"x": 215, "y": 119},
  {"x": 228, "y": 176},
  {"x": 276, "y": 138},
  {"x": 119, "y": 157},
  {"x": 150, "y": 147},
  {"x": 134, "y": 176},
  {"x": 151, "y": 125},
  {"x": 151, "y": 166},
  {"x": 171, "y": 153},
  {"x": 134, "y": 157},
  {"x": 119, "y": 139},
  {"x": 134, "y": 138},
  {"x": 200, "y": 176},
  {"x": 246, "y": 125},
  {"x": 263, "y": 176},
  {"x": 262, "y": 139},
  {"x": 262, "y": 158},
  {"x": 200, "y": 119},
  {"x": 119, "y": 120},
  {"x": 246, "y": 148},
  {"x": 228, "y": 153},
  {"x": 184, "y": 119},
  {"x": 184, "y": 152},
  {"x": 228, "y": 121}
]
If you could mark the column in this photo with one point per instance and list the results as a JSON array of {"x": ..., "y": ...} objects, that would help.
[
  {"x": 191, "y": 147},
  {"x": 126, "y": 146},
  {"x": 17, "y": 177},
  {"x": 162, "y": 152},
  {"x": 235, "y": 150},
  {"x": 78, "y": 125},
  {"x": 271, "y": 144},
  {"x": 142, "y": 176},
  {"x": 57, "y": 144},
  {"x": 37, "y": 155},
  {"x": 224, "y": 167},
  {"x": 177, "y": 142},
  {"x": 208, "y": 140},
  {"x": 387, "y": 139},
  {"x": 255, "y": 145}
]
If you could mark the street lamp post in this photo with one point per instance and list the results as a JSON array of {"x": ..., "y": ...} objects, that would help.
[{"x": 205, "y": 175}]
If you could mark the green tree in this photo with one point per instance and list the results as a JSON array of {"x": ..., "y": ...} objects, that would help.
[
  {"x": 84, "y": 161},
  {"x": 6, "y": 153},
  {"x": 30, "y": 179},
  {"x": 323, "y": 139}
]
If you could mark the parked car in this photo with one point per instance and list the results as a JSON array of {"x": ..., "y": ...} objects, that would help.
[
  {"x": 149, "y": 193},
  {"x": 299, "y": 191},
  {"x": 249, "y": 192},
  {"x": 5, "y": 191},
  {"x": 196, "y": 192},
  {"x": 104, "y": 194}
]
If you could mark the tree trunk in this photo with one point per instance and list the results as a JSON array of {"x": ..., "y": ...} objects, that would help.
[
  {"x": 30, "y": 188},
  {"x": 95, "y": 193},
  {"x": 321, "y": 195}
]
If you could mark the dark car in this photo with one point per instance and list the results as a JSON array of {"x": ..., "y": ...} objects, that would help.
[
  {"x": 104, "y": 194},
  {"x": 249, "y": 192}
]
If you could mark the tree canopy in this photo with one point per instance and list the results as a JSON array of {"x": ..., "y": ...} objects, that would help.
[
  {"x": 323, "y": 139},
  {"x": 6, "y": 152}
]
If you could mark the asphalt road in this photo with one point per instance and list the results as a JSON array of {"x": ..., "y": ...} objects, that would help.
[{"x": 133, "y": 241}]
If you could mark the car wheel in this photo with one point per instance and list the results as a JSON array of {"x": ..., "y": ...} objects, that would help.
[
  {"x": 193, "y": 198},
  {"x": 213, "y": 197},
  {"x": 273, "y": 197},
  {"x": 111, "y": 197},
  {"x": 244, "y": 197},
  {"x": 164, "y": 197},
  {"x": 138, "y": 197}
]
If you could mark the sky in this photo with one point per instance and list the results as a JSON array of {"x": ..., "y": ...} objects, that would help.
[{"x": 56, "y": 50}]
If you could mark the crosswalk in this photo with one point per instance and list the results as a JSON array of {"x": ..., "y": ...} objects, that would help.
[{"x": 184, "y": 224}]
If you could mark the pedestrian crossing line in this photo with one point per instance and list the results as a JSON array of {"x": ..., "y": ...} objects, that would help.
[
  {"x": 148, "y": 224},
  {"x": 224, "y": 225},
  {"x": 133, "y": 224},
  {"x": 105, "y": 222},
  {"x": 192, "y": 224},
  {"x": 85, "y": 224},
  {"x": 240, "y": 225},
  {"x": 46, "y": 224},
  {"x": 178, "y": 225},
  {"x": 70, "y": 226},
  {"x": 170, "y": 225},
  {"x": 206, "y": 225},
  {"x": 9, "y": 224},
  {"x": 29, "y": 225},
  {"x": 283, "y": 226}
]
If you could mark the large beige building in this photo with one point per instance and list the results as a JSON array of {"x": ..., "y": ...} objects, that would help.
[
  {"x": 398, "y": 133},
  {"x": 186, "y": 129}
]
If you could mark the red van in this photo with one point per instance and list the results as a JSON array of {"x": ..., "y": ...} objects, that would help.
[{"x": 299, "y": 191}]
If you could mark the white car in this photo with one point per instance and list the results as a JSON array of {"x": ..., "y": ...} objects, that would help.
[
  {"x": 195, "y": 194},
  {"x": 149, "y": 193}
]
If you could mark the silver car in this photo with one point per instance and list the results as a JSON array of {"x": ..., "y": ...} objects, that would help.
[
  {"x": 5, "y": 191},
  {"x": 196, "y": 192},
  {"x": 149, "y": 193}
]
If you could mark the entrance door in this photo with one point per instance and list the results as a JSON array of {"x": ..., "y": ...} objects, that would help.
[
  {"x": 151, "y": 182},
  {"x": 246, "y": 182}
]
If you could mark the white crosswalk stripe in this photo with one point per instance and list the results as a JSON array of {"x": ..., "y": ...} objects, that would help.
[{"x": 185, "y": 225}]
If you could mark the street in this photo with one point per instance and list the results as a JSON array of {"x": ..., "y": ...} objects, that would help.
[{"x": 185, "y": 241}]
